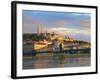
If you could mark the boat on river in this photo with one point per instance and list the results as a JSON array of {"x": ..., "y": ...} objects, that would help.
[{"x": 40, "y": 45}]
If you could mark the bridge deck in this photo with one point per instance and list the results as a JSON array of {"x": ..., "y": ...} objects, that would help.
[
  {"x": 71, "y": 50},
  {"x": 74, "y": 51}
]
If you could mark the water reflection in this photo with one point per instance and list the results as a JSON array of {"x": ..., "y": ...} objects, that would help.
[{"x": 56, "y": 61}]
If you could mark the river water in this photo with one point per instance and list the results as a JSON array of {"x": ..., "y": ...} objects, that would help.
[{"x": 52, "y": 60}]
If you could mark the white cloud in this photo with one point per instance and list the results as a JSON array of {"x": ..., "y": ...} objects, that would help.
[{"x": 71, "y": 30}]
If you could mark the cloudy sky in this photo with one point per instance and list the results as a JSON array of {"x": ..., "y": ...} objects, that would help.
[{"x": 75, "y": 25}]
